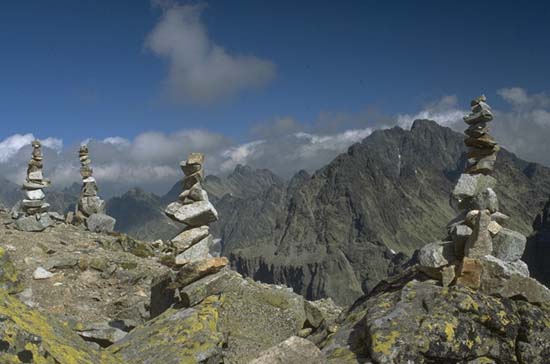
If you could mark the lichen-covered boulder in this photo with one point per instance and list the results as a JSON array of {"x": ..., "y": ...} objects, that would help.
[
  {"x": 9, "y": 280},
  {"x": 424, "y": 323},
  {"x": 27, "y": 336},
  {"x": 188, "y": 336}
]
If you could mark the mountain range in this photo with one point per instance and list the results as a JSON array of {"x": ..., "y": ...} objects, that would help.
[{"x": 339, "y": 231}]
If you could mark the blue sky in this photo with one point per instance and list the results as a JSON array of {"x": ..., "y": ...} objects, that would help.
[
  {"x": 79, "y": 69},
  {"x": 74, "y": 70}
]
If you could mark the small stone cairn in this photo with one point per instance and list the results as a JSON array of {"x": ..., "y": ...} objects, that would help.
[
  {"x": 480, "y": 252},
  {"x": 32, "y": 213},
  {"x": 90, "y": 208},
  {"x": 195, "y": 211}
]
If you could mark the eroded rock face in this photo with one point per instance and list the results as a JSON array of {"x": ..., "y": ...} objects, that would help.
[{"x": 423, "y": 323}]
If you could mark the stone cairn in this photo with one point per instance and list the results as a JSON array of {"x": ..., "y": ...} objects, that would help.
[
  {"x": 195, "y": 211},
  {"x": 90, "y": 209},
  {"x": 32, "y": 213},
  {"x": 480, "y": 252},
  {"x": 191, "y": 253}
]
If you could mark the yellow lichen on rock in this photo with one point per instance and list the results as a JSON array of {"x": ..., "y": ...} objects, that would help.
[
  {"x": 383, "y": 343},
  {"x": 47, "y": 340}
]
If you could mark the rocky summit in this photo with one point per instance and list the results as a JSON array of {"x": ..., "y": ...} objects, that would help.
[
  {"x": 71, "y": 294},
  {"x": 480, "y": 252}
]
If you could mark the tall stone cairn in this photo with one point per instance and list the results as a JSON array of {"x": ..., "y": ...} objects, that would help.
[
  {"x": 33, "y": 210},
  {"x": 479, "y": 251},
  {"x": 90, "y": 209},
  {"x": 89, "y": 202},
  {"x": 194, "y": 210}
]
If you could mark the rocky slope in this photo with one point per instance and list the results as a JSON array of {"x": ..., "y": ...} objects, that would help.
[
  {"x": 411, "y": 319},
  {"x": 538, "y": 246},
  {"x": 334, "y": 233},
  {"x": 140, "y": 214},
  {"x": 71, "y": 296},
  {"x": 110, "y": 301}
]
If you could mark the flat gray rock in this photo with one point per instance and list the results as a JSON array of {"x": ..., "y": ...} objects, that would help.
[
  {"x": 189, "y": 237},
  {"x": 437, "y": 254},
  {"x": 509, "y": 245},
  {"x": 33, "y": 223},
  {"x": 199, "y": 251},
  {"x": 195, "y": 214},
  {"x": 292, "y": 350},
  {"x": 480, "y": 243},
  {"x": 468, "y": 185}
]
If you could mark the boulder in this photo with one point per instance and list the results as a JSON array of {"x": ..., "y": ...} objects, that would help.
[
  {"x": 35, "y": 194},
  {"x": 195, "y": 214},
  {"x": 41, "y": 273},
  {"x": 104, "y": 334},
  {"x": 100, "y": 223},
  {"x": 424, "y": 323},
  {"x": 480, "y": 243},
  {"x": 485, "y": 200},
  {"x": 500, "y": 218},
  {"x": 468, "y": 185},
  {"x": 505, "y": 280},
  {"x": 34, "y": 223},
  {"x": 177, "y": 336},
  {"x": 437, "y": 254},
  {"x": 9, "y": 280},
  {"x": 91, "y": 205},
  {"x": 210, "y": 285},
  {"x": 509, "y": 245},
  {"x": 196, "y": 270},
  {"x": 189, "y": 237},
  {"x": 292, "y": 350},
  {"x": 199, "y": 251},
  {"x": 469, "y": 273},
  {"x": 28, "y": 336}
]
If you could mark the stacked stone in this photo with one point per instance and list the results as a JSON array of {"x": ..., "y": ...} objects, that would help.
[
  {"x": 33, "y": 215},
  {"x": 195, "y": 211},
  {"x": 89, "y": 202},
  {"x": 90, "y": 209},
  {"x": 483, "y": 148},
  {"x": 479, "y": 252}
]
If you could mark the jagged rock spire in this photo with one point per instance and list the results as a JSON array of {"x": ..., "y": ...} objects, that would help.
[{"x": 194, "y": 210}]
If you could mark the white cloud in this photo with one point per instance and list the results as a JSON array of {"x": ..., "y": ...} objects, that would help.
[
  {"x": 445, "y": 112},
  {"x": 116, "y": 141},
  {"x": 200, "y": 71},
  {"x": 240, "y": 154},
  {"x": 514, "y": 95},
  {"x": 523, "y": 127},
  {"x": 12, "y": 144},
  {"x": 337, "y": 142}
]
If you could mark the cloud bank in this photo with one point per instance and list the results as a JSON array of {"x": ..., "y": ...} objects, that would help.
[
  {"x": 201, "y": 71},
  {"x": 285, "y": 146},
  {"x": 522, "y": 126},
  {"x": 151, "y": 160}
]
